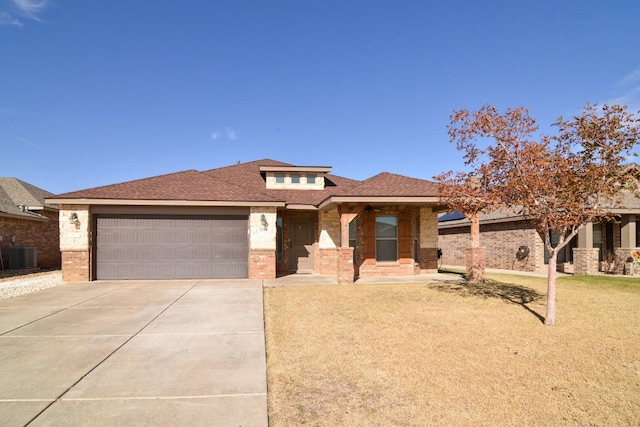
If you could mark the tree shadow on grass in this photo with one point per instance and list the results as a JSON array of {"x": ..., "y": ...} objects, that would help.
[{"x": 509, "y": 292}]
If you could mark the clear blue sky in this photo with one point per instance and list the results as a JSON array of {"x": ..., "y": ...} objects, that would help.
[{"x": 99, "y": 92}]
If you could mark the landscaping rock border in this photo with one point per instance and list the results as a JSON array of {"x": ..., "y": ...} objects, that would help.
[{"x": 23, "y": 284}]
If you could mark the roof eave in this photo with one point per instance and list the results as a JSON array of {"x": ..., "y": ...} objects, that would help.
[
  {"x": 628, "y": 211},
  {"x": 433, "y": 201},
  {"x": 137, "y": 202},
  {"x": 34, "y": 217}
]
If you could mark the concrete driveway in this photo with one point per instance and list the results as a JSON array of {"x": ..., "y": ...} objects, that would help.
[{"x": 135, "y": 353}]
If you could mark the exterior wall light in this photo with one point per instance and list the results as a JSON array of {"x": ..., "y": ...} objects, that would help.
[{"x": 73, "y": 219}]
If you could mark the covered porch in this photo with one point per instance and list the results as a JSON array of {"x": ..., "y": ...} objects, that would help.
[
  {"x": 353, "y": 239},
  {"x": 608, "y": 248}
]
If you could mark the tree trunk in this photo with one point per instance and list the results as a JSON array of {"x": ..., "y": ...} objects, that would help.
[
  {"x": 475, "y": 230},
  {"x": 475, "y": 254},
  {"x": 550, "y": 318}
]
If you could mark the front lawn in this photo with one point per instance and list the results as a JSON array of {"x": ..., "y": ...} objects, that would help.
[{"x": 448, "y": 354}]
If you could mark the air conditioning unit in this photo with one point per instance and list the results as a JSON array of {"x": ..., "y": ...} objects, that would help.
[{"x": 23, "y": 257}]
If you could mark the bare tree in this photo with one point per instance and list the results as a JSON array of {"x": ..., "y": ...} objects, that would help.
[{"x": 558, "y": 183}]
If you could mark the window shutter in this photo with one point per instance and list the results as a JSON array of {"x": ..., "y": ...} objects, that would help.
[
  {"x": 404, "y": 235},
  {"x": 369, "y": 244}
]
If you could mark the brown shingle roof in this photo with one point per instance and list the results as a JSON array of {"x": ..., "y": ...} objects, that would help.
[
  {"x": 245, "y": 182},
  {"x": 189, "y": 185},
  {"x": 390, "y": 184}
]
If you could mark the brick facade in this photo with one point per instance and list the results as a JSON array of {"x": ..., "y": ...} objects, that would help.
[
  {"x": 345, "y": 266},
  {"x": 75, "y": 266},
  {"x": 501, "y": 242},
  {"x": 388, "y": 269},
  {"x": 327, "y": 261},
  {"x": 42, "y": 235},
  {"x": 262, "y": 264},
  {"x": 428, "y": 260}
]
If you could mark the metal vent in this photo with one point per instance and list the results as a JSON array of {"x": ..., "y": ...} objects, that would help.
[{"x": 23, "y": 257}]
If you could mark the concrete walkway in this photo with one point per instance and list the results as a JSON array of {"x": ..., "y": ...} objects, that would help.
[{"x": 162, "y": 353}]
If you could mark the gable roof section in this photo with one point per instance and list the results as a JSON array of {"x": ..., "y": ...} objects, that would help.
[
  {"x": 388, "y": 187},
  {"x": 390, "y": 184},
  {"x": 244, "y": 183},
  {"x": 186, "y": 186},
  {"x": 19, "y": 199},
  {"x": 248, "y": 175}
]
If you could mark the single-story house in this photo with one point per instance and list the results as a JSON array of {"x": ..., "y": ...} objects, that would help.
[
  {"x": 29, "y": 232},
  {"x": 250, "y": 220},
  {"x": 512, "y": 243}
]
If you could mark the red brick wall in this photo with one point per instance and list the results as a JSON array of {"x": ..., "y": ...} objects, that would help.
[
  {"x": 262, "y": 264},
  {"x": 345, "y": 266},
  {"x": 388, "y": 269},
  {"x": 327, "y": 261},
  {"x": 75, "y": 266},
  {"x": 429, "y": 259},
  {"x": 43, "y": 235},
  {"x": 501, "y": 242}
]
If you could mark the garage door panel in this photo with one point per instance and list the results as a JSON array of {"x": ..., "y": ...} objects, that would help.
[{"x": 137, "y": 247}]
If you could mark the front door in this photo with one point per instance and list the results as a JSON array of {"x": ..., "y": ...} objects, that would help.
[{"x": 301, "y": 246}]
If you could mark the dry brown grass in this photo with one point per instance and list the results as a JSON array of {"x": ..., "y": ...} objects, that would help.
[{"x": 443, "y": 354}]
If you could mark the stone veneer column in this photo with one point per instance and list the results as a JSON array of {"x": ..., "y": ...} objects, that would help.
[
  {"x": 74, "y": 243},
  {"x": 262, "y": 242},
  {"x": 328, "y": 242},
  {"x": 346, "y": 271},
  {"x": 428, "y": 240},
  {"x": 585, "y": 260}
]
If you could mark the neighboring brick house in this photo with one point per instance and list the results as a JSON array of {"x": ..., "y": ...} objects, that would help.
[
  {"x": 29, "y": 228},
  {"x": 512, "y": 243},
  {"x": 256, "y": 220}
]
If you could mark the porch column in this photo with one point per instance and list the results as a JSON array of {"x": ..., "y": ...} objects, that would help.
[
  {"x": 628, "y": 245},
  {"x": 74, "y": 243},
  {"x": 628, "y": 231},
  {"x": 585, "y": 236},
  {"x": 428, "y": 256},
  {"x": 262, "y": 243},
  {"x": 585, "y": 256},
  {"x": 346, "y": 271}
]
